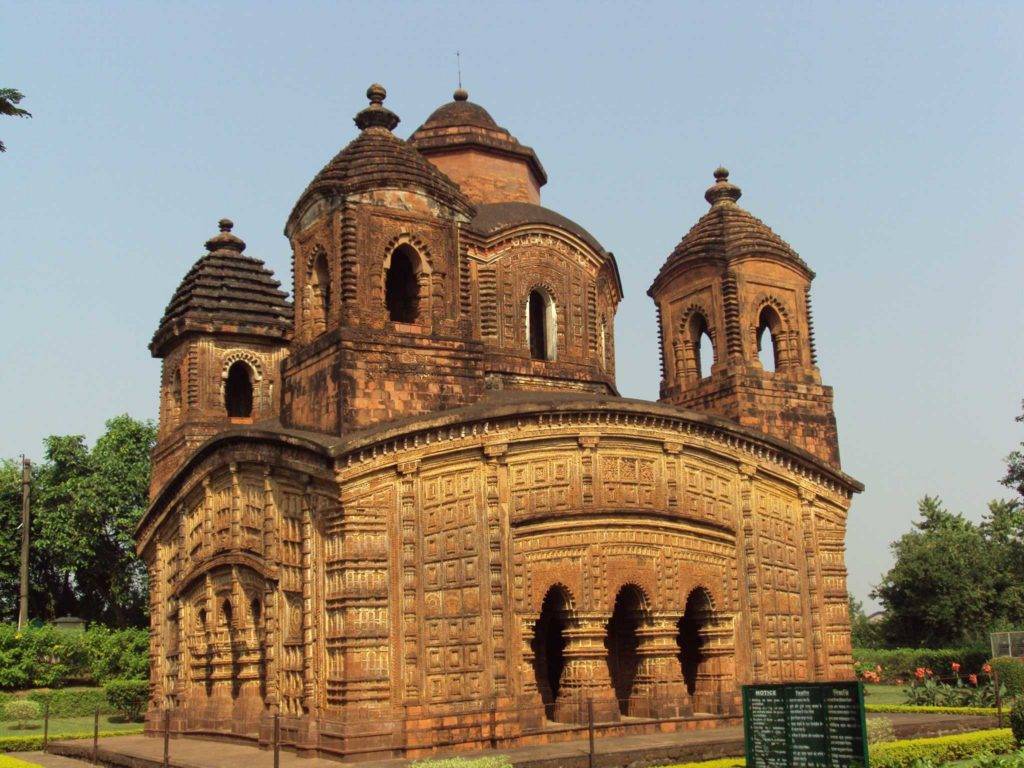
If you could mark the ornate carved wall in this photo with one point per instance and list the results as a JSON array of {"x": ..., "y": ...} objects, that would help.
[{"x": 337, "y": 582}]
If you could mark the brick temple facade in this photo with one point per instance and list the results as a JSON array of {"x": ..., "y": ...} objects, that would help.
[{"x": 407, "y": 508}]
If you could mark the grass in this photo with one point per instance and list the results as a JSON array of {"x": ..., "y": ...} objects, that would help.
[
  {"x": 884, "y": 694},
  {"x": 66, "y": 726},
  {"x": 13, "y": 762}
]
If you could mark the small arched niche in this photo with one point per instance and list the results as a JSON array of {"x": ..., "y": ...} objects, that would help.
[
  {"x": 319, "y": 293},
  {"x": 769, "y": 328},
  {"x": 238, "y": 390},
  {"x": 623, "y": 641},
  {"x": 703, "y": 347},
  {"x": 402, "y": 285},
  {"x": 541, "y": 325}
]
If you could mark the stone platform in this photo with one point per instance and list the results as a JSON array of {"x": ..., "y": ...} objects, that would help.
[{"x": 614, "y": 752}]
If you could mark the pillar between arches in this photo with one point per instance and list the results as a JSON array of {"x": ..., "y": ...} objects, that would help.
[
  {"x": 716, "y": 690},
  {"x": 659, "y": 689},
  {"x": 585, "y": 675}
]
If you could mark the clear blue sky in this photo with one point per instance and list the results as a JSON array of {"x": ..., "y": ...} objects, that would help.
[{"x": 882, "y": 141}]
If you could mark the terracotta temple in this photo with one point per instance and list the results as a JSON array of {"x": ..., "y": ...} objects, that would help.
[{"x": 407, "y": 507}]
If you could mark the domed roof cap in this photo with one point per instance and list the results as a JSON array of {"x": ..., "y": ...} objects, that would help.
[
  {"x": 377, "y": 159},
  {"x": 460, "y": 112},
  {"x": 728, "y": 232},
  {"x": 226, "y": 292},
  {"x": 462, "y": 124}
]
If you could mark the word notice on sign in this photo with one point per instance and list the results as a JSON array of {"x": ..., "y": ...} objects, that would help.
[{"x": 805, "y": 725}]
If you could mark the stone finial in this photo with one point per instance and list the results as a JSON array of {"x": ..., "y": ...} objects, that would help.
[
  {"x": 461, "y": 94},
  {"x": 376, "y": 115},
  {"x": 225, "y": 241},
  {"x": 722, "y": 191}
]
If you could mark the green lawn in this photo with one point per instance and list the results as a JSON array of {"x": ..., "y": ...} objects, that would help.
[
  {"x": 884, "y": 694},
  {"x": 65, "y": 726}
]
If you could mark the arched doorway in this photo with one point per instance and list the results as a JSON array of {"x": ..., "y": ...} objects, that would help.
[
  {"x": 692, "y": 638},
  {"x": 548, "y": 647},
  {"x": 622, "y": 642},
  {"x": 401, "y": 285}
]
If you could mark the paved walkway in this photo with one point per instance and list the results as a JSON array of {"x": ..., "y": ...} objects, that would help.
[{"x": 146, "y": 752}]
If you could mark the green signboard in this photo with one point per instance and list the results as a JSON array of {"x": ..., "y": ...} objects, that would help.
[{"x": 805, "y": 725}]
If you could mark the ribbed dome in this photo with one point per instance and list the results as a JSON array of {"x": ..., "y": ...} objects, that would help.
[
  {"x": 226, "y": 291},
  {"x": 377, "y": 159},
  {"x": 461, "y": 124},
  {"x": 729, "y": 232},
  {"x": 460, "y": 112}
]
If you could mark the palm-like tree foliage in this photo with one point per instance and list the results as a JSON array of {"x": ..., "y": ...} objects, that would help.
[{"x": 9, "y": 100}]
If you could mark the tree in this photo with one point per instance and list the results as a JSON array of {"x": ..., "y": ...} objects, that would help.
[
  {"x": 941, "y": 588},
  {"x": 864, "y": 634},
  {"x": 85, "y": 504},
  {"x": 1014, "y": 477},
  {"x": 9, "y": 100}
]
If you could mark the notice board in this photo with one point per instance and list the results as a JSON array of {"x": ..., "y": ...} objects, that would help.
[{"x": 805, "y": 725}]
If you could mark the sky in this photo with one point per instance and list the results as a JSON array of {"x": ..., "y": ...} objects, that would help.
[{"x": 882, "y": 141}]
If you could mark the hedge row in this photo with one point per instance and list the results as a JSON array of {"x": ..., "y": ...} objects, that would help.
[
  {"x": 64, "y": 702},
  {"x": 44, "y": 657},
  {"x": 900, "y": 663},
  {"x": 910, "y": 708},
  {"x": 942, "y": 749},
  {"x": 34, "y": 742}
]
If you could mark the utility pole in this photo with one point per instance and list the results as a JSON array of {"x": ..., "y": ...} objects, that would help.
[{"x": 26, "y": 480}]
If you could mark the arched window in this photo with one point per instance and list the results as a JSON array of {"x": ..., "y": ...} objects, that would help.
[
  {"x": 541, "y": 325},
  {"x": 227, "y": 612},
  {"x": 401, "y": 285},
  {"x": 319, "y": 293},
  {"x": 769, "y": 323},
  {"x": 255, "y": 610},
  {"x": 703, "y": 348},
  {"x": 238, "y": 391},
  {"x": 201, "y": 620}
]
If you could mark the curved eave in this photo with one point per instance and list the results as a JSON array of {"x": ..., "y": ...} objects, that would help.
[
  {"x": 513, "y": 404},
  {"x": 270, "y": 433},
  {"x": 180, "y": 328},
  {"x": 673, "y": 267}
]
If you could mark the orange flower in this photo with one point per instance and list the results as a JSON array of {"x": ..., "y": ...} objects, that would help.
[
  {"x": 972, "y": 679},
  {"x": 956, "y": 666},
  {"x": 919, "y": 673},
  {"x": 987, "y": 668}
]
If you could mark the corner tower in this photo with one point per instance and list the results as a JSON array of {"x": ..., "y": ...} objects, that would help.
[
  {"x": 222, "y": 339},
  {"x": 736, "y": 288}
]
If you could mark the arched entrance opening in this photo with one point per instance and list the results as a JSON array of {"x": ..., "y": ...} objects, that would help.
[
  {"x": 238, "y": 391},
  {"x": 622, "y": 643},
  {"x": 692, "y": 637},
  {"x": 548, "y": 647},
  {"x": 401, "y": 285}
]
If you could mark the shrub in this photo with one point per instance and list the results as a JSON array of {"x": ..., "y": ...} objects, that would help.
[
  {"x": 71, "y": 702},
  {"x": 911, "y": 709},
  {"x": 940, "y": 749},
  {"x": 34, "y": 743},
  {"x": 21, "y": 711},
  {"x": 898, "y": 664},
  {"x": 1011, "y": 673},
  {"x": 497, "y": 761},
  {"x": 45, "y": 657},
  {"x": 880, "y": 730},
  {"x": 1017, "y": 721},
  {"x": 128, "y": 697}
]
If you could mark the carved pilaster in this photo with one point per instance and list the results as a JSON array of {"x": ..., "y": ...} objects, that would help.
[
  {"x": 496, "y": 488},
  {"x": 271, "y": 603},
  {"x": 749, "y": 558},
  {"x": 589, "y": 444},
  {"x": 349, "y": 264},
  {"x": 812, "y": 577},
  {"x": 731, "y": 304},
  {"x": 412, "y": 654}
]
